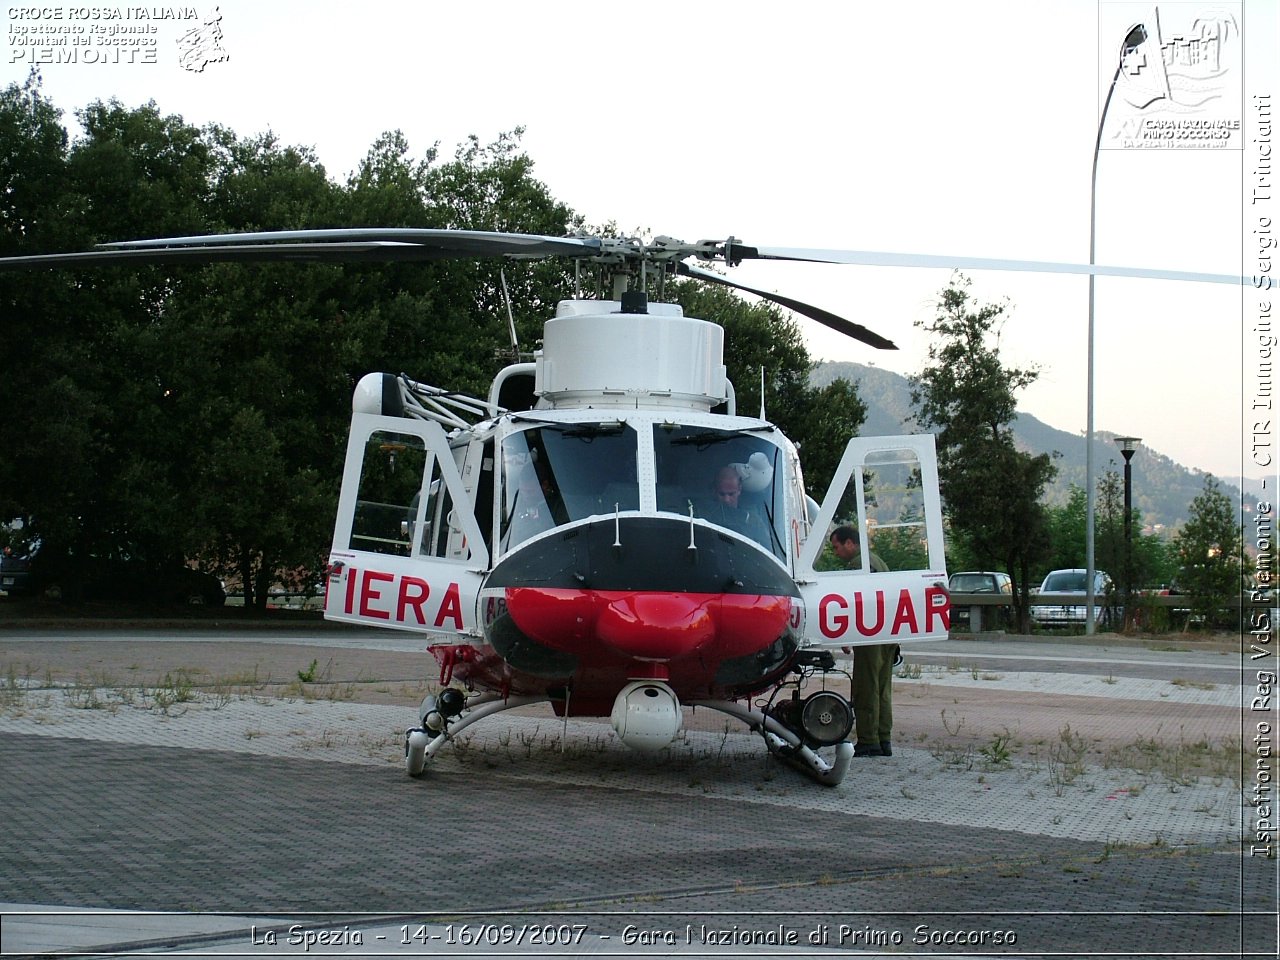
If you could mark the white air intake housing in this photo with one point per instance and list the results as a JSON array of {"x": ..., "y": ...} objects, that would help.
[{"x": 594, "y": 355}]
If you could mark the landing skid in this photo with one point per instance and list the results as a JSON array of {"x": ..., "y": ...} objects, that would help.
[
  {"x": 421, "y": 744},
  {"x": 785, "y": 745}
]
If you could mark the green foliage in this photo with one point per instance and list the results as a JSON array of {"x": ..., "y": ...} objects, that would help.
[
  {"x": 901, "y": 549},
  {"x": 991, "y": 490},
  {"x": 832, "y": 416},
  {"x": 1153, "y": 563},
  {"x": 1067, "y": 532},
  {"x": 201, "y": 412},
  {"x": 79, "y": 465},
  {"x": 1210, "y": 552}
]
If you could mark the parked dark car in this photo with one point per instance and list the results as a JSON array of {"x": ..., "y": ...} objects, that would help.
[
  {"x": 16, "y": 578},
  {"x": 36, "y": 569},
  {"x": 979, "y": 582}
]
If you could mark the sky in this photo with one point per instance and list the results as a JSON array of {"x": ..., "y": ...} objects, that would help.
[{"x": 962, "y": 128}]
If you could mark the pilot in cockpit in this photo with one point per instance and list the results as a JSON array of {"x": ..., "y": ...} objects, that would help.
[{"x": 728, "y": 509}]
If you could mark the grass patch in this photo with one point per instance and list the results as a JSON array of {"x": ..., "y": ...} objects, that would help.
[{"x": 1193, "y": 684}]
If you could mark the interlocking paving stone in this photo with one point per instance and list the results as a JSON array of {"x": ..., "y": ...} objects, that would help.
[{"x": 249, "y": 805}]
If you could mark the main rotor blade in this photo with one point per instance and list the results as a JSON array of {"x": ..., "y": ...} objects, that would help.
[
  {"x": 877, "y": 258},
  {"x": 839, "y": 324},
  {"x": 446, "y": 243},
  {"x": 373, "y": 244}
]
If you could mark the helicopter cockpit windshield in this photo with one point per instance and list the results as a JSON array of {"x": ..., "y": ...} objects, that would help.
[
  {"x": 731, "y": 478},
  {"x": 557, "y": 473}
]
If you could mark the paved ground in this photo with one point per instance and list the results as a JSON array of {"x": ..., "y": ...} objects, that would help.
[{"x": 1084, "y": 798}]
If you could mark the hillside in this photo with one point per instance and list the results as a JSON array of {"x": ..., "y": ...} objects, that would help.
[{"x": 1162, "y": 489}]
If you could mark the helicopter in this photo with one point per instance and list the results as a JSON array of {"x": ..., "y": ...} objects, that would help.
[{"x": 605, "y": 532}]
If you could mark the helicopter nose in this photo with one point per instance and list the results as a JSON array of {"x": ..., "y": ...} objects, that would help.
[
  {"x": 648, "y": 625},
  {"x": 655, "y": 626}
]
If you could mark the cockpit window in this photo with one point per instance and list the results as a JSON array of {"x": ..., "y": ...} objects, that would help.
[
  {"x": 730, "y": 478},
  {"x": 553, "y": 474}
]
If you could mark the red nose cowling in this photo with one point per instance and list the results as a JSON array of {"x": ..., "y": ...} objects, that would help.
[{"x": 649, "y": 625}]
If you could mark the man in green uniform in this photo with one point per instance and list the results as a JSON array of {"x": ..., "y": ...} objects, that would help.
[{"x": 872, "y": 665}]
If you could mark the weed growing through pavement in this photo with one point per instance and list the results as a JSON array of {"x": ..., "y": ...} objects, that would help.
[
  {"x": 177, "y": 688},
  {"x": 954, "y": 758},
  {"x": 1192, "y": 684},
  {"x": 1178, "y": 762},
  {"x": 1066, "y": 759},
  {"x": 996, "y": 753},
  {"x": 98, "y": 691},
  {"x": 13, "y": 694},
  {"x": 953, "y": 726}
]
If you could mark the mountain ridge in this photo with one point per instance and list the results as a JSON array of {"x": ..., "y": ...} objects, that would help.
[{"x": 1162, "y": 488}]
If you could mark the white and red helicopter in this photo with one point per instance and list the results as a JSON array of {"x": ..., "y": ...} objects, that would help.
[{"x": 605, "y": 532}]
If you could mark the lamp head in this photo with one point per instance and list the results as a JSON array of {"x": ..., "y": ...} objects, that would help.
[{"x": 1128, "y": 445}]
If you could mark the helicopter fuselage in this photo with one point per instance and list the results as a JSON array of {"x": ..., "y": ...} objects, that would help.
[{"x": 620, "y": 535}]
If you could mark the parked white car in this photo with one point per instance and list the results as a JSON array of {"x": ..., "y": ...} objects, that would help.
[{"x": 1075, "y": 582}]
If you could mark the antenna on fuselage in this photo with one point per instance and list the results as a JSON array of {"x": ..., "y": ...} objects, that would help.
[{"x": 511, "y": 320}]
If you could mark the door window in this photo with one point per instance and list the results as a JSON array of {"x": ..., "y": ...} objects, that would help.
[
  {"x": 401, "y": 495},
  {"x": 884, "y": 496},
  {"x": 388, "y": 499}
]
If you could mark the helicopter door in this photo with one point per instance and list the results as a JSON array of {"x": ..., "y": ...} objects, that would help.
[
  {"x": 407, "y": 551},
  {"x": 893, "y": 588}
]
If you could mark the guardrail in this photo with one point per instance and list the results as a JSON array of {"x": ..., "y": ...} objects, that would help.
[
  {"x": 283, "y": 601},
  {"x": 977, "y": 604}
]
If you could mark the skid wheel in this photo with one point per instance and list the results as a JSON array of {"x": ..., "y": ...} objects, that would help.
[{"x": 415, "y": 752}]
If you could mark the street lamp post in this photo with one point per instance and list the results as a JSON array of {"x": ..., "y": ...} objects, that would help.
[
  {"x": 1127, "y": 447},
  {"x": 1136, "y": 36}
]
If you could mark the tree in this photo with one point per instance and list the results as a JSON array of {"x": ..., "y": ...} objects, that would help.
[
  {"x": 141, "y": 173},
  {"x": 296, "y": 338},
  {"x": 44, "y": 362},
  {"x": 192, "y": 412},
  {"x": 81, "y": 463},
  {"x": 1210, "y": 551},
  {"x": 492, "y": 187},
  {"x": 1067, "y": 532},
  {"x": 256, "y": 387},
  {"x": 991, "y": 491}
]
